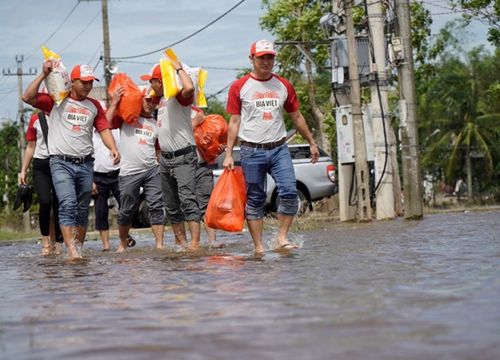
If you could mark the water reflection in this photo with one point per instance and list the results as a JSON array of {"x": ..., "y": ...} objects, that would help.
[{"x": 386, "y": 290}]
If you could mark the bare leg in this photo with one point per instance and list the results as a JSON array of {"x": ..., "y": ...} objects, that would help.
[
  {"x": 158, "y": 233},
  {"x": 212, "y": 237},
  {"x": 179, "y": 234},
  {"x": 194, "y": 230},
  {"x": 68, "y": 233},
  {"x": 285, "y": 221},
  {"x": 81, "y": 232},
  {"x": 52, "y": 236},
  {"x": 255, "y": 228},
  {"x": 105, "y": 239},
  {"x": 46, "y": 246},
  {"x": 123, "y": 231}
]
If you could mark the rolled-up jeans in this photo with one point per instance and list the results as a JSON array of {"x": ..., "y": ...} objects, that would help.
[
  {"x": 73, "y": 185},
  {"x": 277, "y": 162}
]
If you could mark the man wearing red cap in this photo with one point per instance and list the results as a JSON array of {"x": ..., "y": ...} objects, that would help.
[
  {"x": 256, "y": 103},
  {"x": 70, "y": 147},
  {"x": 178, "y": 162},
  {"x": 139, "y": 168}
]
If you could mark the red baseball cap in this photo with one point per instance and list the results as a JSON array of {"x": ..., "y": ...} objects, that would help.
[
  {"x": 154, "y": 74},
  {"x": 83, "y": 72},
  {"x": 262, "y": 47}
]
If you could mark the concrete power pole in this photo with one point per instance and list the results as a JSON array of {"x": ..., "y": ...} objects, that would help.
[
  {"x": 412, "y": 182},
  {"x": 106, "y": 44},
  {"x": 22, "y": 141},
  {"x": 364, "y": 212},
  {"x": 379, "y": 110}
]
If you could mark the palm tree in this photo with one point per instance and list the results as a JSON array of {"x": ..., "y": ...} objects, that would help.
[{"x": 454, "y": 102}]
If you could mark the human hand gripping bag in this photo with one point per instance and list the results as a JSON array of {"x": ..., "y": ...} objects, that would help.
[
  {"x": 210, "y": 135},
  {"x": 226, "y": 207},
  {"x": 130, "y": 106},
  {"x": 58, "y": 83},
  {"x": 172, "y": 84}
]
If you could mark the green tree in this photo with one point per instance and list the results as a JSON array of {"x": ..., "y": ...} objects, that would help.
[
  {"x": 298, "y": 20},
  {"x": 9, "y": 153},
  {"x": 462, "y": 125},
  {"x": 485, "y": 11}
]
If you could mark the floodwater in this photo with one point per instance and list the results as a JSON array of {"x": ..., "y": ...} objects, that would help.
[{"x": 427, "y": 289}]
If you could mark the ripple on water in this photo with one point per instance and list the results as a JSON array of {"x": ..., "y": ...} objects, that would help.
[{"x": 384, "y": 290}]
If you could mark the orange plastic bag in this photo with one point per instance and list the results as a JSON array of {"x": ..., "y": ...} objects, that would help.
[
  {"x": 226, "y": 207},
  {"x": 130, "y": 106},
  {"x": 209, "y": 135}
]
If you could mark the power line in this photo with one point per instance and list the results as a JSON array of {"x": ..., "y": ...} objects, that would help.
[
  {"x": 183, "y": 39},
  {"x": 80, "y": 33},
  {"x": 220, "y": 91},
  {"x": 57, "y": 29},
  {"x": 204, "y": 67},
  {"x": 95, "y": 54}
]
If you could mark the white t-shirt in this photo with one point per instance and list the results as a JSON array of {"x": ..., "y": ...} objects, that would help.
[
  {"x": 260, "y": 104},
  {"x": 174, "y": 123},
  {"x": 103, "y": 162},
  {"x": 71, "y": 124},
  {"x": 35, "y": 133},
  {"x": 138, "y": 143}
]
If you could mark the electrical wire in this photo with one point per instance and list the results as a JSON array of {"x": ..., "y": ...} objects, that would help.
[
  {"x": 80, "y": 33},
  {"x": 56, "y": 30},
  {"x": 220, "y": 91},
  {"x": 184, "y": 38},
  {"x": 95, "y": 53}
]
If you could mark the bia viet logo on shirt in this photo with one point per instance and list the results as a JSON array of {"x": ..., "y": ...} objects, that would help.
[
  {"x": 77, "y": 116},
  {"x": 144, "y": 133},
  {"x": 266, "y": 102}
]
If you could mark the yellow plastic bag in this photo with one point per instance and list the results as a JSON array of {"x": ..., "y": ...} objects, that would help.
[
  {"x": 58, "y": 83},
  {"x": 201, "y": 100},
  {"x": 172, "y": 84}
]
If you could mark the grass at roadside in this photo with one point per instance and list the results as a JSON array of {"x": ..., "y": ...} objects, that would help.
[{"x": 8, "y": 235}]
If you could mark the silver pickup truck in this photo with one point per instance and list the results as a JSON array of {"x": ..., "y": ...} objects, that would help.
[{"x": 314, "y": 181}]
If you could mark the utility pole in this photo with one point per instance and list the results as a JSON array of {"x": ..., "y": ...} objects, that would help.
[
  {"x": 106, "y": 56},
  {"x": 107, "y": 47},
  {"x": 412, "y": 182},
  {"x": 379, "y": 110},
  {"x": 22, "y": 141},
  {"x": 362, "y": 175}
]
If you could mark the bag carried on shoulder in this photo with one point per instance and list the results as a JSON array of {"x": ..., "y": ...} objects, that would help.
[
  {"x": 130, "y": 106},
  {"x": 226, "y": 207}
]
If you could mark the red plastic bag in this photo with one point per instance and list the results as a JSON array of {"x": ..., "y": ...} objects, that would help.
[
  {"x": 226, "y": 207},
  {"x": 209, "y": 135},
  {"x": 130, "y": 106}
]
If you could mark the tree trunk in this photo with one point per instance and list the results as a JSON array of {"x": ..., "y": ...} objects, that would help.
[{"x": 468, "y": 170}]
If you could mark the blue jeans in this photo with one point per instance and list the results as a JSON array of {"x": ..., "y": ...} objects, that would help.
[
  {"x": 73, "y": 185},
  {"x": 276, "y": 162}
]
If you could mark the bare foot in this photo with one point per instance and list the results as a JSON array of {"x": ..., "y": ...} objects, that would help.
[
  {"x": 46, "y": 247},
  {"x": 287, "y": 246},
  {"x": 58, "y": 249},
  {"x": 73, "y": 254},
  {"x": 215, "y": 245},
  {"x": 121, "y": 248},
  {"x": 194, "y": 247}
]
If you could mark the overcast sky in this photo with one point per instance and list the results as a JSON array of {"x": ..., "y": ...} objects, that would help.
[{"x": 136, "y": 27}]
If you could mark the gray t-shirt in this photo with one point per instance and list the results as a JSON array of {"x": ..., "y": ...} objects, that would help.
[
  {"x": 137, "y": 145},
  {"x": 174, "y": 124}
]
